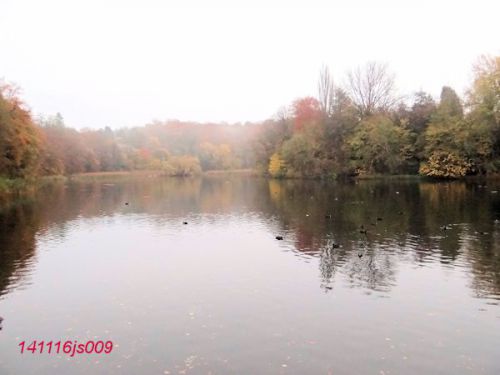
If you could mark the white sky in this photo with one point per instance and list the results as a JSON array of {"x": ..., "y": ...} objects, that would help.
[{"x": 125, "y": 63}]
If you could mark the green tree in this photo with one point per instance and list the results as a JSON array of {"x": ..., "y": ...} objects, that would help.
[
  {"x": 421, "y": 112},
  {"x": 303, "y": 157},
  {"x": 450, "y": 105},
  {"x": 467, "y": 143},
  {"x": 379, "y": 146}
]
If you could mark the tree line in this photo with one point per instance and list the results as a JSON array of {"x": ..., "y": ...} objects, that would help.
[
  {"x": 363, "y": 128},
  {"x": 359, "y": 128}
]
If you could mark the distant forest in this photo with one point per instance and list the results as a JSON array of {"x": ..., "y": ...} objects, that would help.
[{"x": 359, "y": 128}]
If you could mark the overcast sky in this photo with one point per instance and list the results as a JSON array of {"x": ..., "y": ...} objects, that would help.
[{"x": 123, "y": 63}]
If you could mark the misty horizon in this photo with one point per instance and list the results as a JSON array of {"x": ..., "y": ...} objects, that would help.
[
  {"x": 406, "y": 100},
  {"x": 126, "y": 64}
]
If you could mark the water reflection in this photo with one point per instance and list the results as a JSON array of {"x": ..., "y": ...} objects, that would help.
[
  {"x": 403, "y": 222},
  {"x": 361, "y": 264},
  {"x": 18, "y": 227},
  {"x": 410, "y": 216}
]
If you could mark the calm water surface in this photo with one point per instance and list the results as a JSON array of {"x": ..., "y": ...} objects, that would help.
[{"x": 221, "y": 295}]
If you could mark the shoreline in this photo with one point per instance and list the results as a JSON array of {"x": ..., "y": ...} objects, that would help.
[{"x": 12, "y": 186}]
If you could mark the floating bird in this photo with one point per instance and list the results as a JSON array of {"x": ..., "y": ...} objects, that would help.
[
  {"x": 363, "y": 231},
  {"x": 379, "y": 219},
  {"x": 335, "y": 245},
  {"x": 329, "y": 216},
  {"x": 481, "y": 233},
  {"x": 184, "y": 222},
  {"x": 400, "y": 212},
  {"x": 360, "y": 255},
  {"x": 1, "y": 320},
  {"x": 126, "y": 203},
  {"x": 445, "y": 227},
  {"x": 279, "y": 238}
]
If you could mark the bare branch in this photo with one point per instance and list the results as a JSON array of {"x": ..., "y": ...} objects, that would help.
[
  {"x": 325, "y": 91},
  {"x": 372, "y": 88}
]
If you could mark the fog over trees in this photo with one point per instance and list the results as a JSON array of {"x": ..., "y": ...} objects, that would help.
[{"x": 359, "y": 128}]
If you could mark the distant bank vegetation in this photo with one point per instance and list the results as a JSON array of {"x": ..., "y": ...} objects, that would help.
[{"x": 359, "y": 129}]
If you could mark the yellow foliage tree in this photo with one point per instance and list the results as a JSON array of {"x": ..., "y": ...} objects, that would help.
[
  {"x": 276, "y": 166},
  {"x": 445, "y": 165}
]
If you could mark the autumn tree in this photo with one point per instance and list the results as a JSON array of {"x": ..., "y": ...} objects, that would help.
[
  {"x": 65, "y": 150},
  {"x": 276, "y": 166},
  {"x": 454, "y": 146},
  {"x": 19, "y": 137},
  {"x": 484, "y": 97},
  {"x": 184, "y": 165},
  {"x": 483, "y": 102},
  {"x": 216, "y": 157},
  {"x": 104, "y": 145},
  {"x": 306, "y": 112}
]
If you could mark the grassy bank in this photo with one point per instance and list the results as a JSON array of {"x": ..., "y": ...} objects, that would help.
[
  {"x": 13, "y": 188},
  {"x": 390, "y": 177},
  {"x": 97, "y": 176},
  {"x": 248, "y": 172},
  {"x": 153, "y": 173}
]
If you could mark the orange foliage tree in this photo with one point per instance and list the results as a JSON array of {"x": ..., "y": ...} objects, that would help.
[
  {"x": 306, "y": 111},
  {"x": 19, "y": 136}
]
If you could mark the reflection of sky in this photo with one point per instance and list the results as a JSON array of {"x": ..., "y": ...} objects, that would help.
[{"x": 223, "y": 294}]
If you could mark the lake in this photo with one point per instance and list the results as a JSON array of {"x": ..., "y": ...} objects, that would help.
[{"x": 112, "y": 260}]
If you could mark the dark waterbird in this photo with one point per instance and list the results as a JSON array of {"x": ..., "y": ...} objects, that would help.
[
  {"x": 126, "y": 203},
  {"x": 362, "y": 229},
  {"x": 329, "y": 216},
  {"x": 335, "y": 245},
  {"x": 1, "y": 320},
  {"x": 445, "y": 227},
  {"x": 279, "y": 238},
  {"x": 379, "y": 219},
  {"x": 184, "y": 222}
]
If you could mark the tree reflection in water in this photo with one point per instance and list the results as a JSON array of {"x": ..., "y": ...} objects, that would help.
[{"x": 314, "y": 215}]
